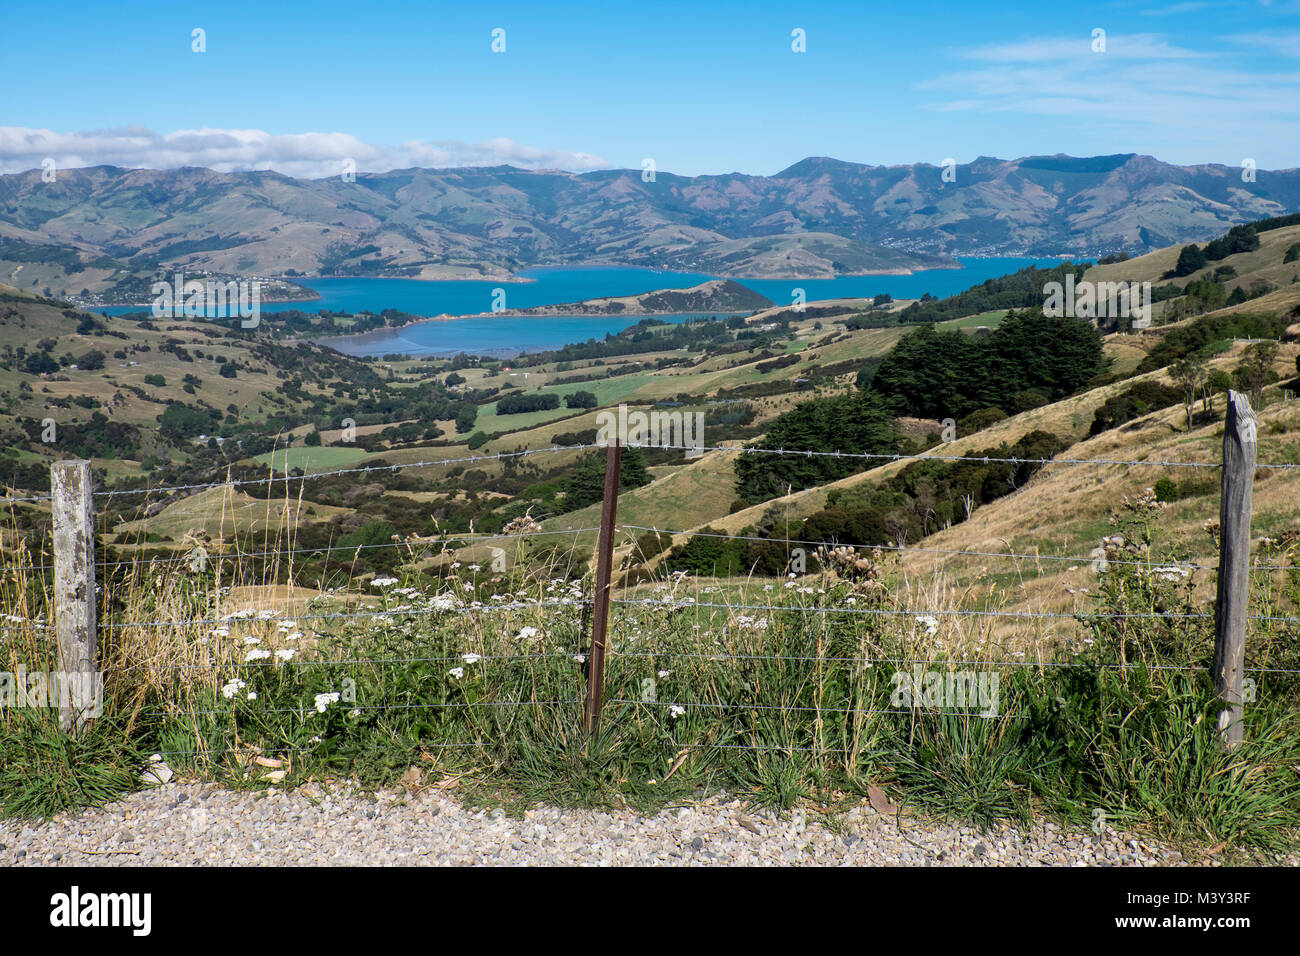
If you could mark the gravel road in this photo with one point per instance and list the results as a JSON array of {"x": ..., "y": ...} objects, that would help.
[{"x": 190, "y": 824}]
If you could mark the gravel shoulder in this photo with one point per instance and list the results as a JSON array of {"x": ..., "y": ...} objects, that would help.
[{"x": 190, "y": 824}]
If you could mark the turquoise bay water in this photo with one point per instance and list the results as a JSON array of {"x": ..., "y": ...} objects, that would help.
[{"x": 489, "y": 335}]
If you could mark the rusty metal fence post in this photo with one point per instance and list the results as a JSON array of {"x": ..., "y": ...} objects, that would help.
[{"x": 600, "y": 611}]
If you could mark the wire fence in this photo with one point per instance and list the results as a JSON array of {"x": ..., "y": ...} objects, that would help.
[
  {"x": 879, "y": 458},
  {"x": 209, "y": 653}
]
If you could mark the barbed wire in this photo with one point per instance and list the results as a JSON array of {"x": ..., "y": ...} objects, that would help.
[
  {"x": 790, "y": 709},
  {"x": 348, "y": 615},
  {"x": 980, "y": 459},
  {"x": 1029, "y": 556},
  {"x": 350, "y": 661},
  {"x": 837, "y": 609},
  {"x": 361, "y": 469},
  {"x": 327, "y": 549},
  {"x": 660, "y": 604},
  {"x": 454, "y": 541},
  {"x": 450, "y": 705},
  {"x": 743, "y": 449},
  {"x": 992, "y": 662}
]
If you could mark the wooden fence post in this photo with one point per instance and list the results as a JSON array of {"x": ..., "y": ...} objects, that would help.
[
  {"x": 1231, "y": 603},
  {"x": 600, "y": 613},
  {"x": 74, "y": 594}
]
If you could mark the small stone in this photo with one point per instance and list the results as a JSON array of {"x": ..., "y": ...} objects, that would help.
[
  {"x": 157, "y": 773},
  {"x": 697, "y": 844}
]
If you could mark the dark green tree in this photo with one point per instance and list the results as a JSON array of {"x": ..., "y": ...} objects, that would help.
[
  {"x": 586, "y": 485},
  {"x": 855, "y": 422},
  {"x": 1189, "y": 260}
]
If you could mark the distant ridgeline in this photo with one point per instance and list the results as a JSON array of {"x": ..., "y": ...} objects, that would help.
[{"x": 1022, "y": 289}]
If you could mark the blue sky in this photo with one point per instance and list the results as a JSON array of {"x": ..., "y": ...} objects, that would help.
[{"x": 698, "y": 87}]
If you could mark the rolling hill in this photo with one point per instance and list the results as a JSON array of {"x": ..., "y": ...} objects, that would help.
[{"x": 818, "y": 218}]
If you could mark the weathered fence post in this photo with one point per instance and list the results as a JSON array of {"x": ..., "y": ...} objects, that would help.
[
  {"x": 1230, "y": 605},
  {"x": 74, "y": 594},
  {"x": 604, "y": 567}
]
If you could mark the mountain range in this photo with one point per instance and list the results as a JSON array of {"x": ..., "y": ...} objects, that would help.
[{"x": 818, "y": 218}]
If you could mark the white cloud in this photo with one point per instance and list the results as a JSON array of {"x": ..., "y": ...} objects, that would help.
[
  {"x": 1142, "y": 92},
  {"x": 1281, "y": 43},
  {"x": 1055, "y": 50},
  {"x": 1181, "y": 9},
  {"x": 303, "y": 155}
]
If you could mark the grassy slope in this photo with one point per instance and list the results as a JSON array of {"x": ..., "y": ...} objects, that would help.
[{"x": 1064, "y": 509}]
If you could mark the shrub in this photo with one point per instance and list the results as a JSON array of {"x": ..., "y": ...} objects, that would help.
[
  {"x": 979, "y": 420},
  {"x": 1166, "y": 489},
  {"x": 519, "y": 404},
  {"x": 1190, "y": 260}
]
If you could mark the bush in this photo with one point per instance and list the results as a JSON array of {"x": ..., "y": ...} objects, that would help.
[
  {"x": 1166, "y": 489},
  {"x": 1136, "y": 401},
  {"x": 580, "y": 400},
  {"x": 1190, "y": 260},
  {"x": 855, "y": 423},
  {"x": 979, "y": 420},
  {"x": 519, "y": 404},
  {"x": 41, "y": 364},
  {"x": 466, "y": 417},
  {"x": 586, "y": 485},
  {"x": 1027, "y": 400}
]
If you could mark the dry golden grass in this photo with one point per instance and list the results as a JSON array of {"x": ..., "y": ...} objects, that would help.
[{"x": 1065, "y": 509}]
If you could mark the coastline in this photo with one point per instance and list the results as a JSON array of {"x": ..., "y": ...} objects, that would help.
[{"x": 361, "y": 338}]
